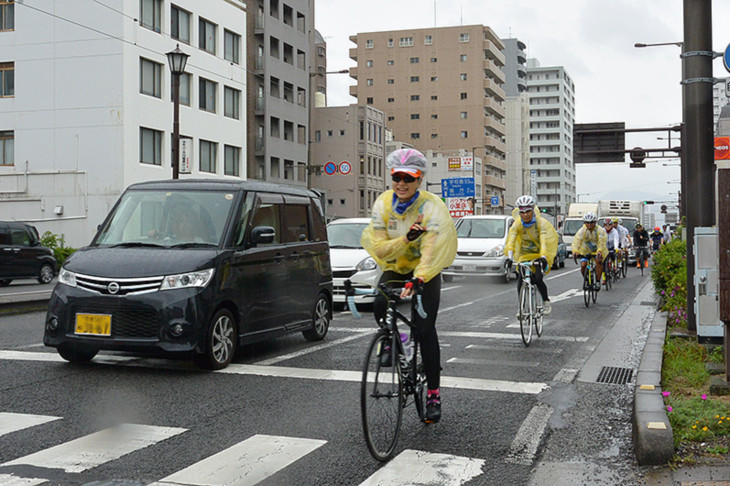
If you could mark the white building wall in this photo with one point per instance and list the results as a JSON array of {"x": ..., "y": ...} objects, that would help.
[{"x": 77, "y": 109}]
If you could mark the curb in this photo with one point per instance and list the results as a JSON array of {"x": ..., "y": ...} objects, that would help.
[{"x": 651, "y": 430}]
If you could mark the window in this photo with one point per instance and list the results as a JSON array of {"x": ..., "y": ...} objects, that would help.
[
  {"x": 464, "y": 37},
  {"x": 415, "y": 60},
  {"x": 342, "y": 133},
  {"x": 415, "y": 97},
  {"x": 369, "y": 63},
  {"x": 297, "y": 223},
  {"x": 208, "y": 153},
  {"x": 434, "y": 79},
  {"x": 7, "y": 148},
  {"x": 391, "y": 100},
  {"x": 391, "y": 81},
  {"x": 434, "y": 135},
  {"x": 369, "y": 100},
  {"x": 369, "y": 44},
  {"x": 150, "y": 78},
  {"x": 462, "y": 76},
  {"x": 434, "y": 117},
  {"x": 428, "y": 40},
  {"x": 462, "y": 58},
  {"x": 232, "y": 103},
  {"x": 206, "y": 95},
  {"x": 390, "y": 42},
  {"x": 184, "y": 88},
  {"x": 150, "y": 146},
  {"x": 206, "y": 35},
  {"x": 415, "y": 116},
  {"x": 231, "y": 47},
  {"x": 330, "y": 133},
  {"x": 414, "y": 79},
  {"x": 415, "y": 136},
  {"x": 180, "y": 24},
  {"x": 434, "y": 97},
  {"x": 464, "y": 134},
  {"x": 463, "y": 96},
  {"x": 391, "y": 118},
  {"x": 463, "y": 115},
  {"x": 434, "y": 59},
  {"x": 150, "y": 14},
  {"x": 369, "y": 82},
  {"x": 390, "y": 62},
  {"x": 232, "y": 162},
  {"x": 405, "y": 42},
  {"x": 7, "y": 15}
]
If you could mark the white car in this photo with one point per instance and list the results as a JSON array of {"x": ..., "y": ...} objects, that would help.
[
  {"x": 349, "y": 259},
  {"x": 480, "y": 250}
]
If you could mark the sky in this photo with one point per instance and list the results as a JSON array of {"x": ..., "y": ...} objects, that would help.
[{"x": 593, "y": 39}]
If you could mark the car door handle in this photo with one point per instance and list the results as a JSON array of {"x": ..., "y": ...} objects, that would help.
[
  {"x": 278, "y": 258},
  {"x": 294, "y": 256}
]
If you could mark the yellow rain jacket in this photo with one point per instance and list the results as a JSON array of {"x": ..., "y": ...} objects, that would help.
[
  {"x": 587, "y": 241},
  {"x": 428, "y": 254},
  {"x": 531, "y": 243}
]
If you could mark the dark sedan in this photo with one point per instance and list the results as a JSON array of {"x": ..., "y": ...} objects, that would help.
[{"x": 562, "y": 253}]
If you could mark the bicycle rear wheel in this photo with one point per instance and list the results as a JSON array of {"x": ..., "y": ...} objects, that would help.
[
  {"x": 594, "y": 288},
  {"x": 381, "y": 397},
  {"x": 607, "y": 271},
  {"x": 624, "y": 265},
  {"x": 525, "y": 315},
  {"x": 537, "y": 311},
  {"x": 587, "y": 287}
]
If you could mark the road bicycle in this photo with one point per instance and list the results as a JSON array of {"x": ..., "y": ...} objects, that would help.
[
  {"x": 624, "y": 262},
  {"x": 642, "y": 255},
  {"x": 590, "y": 289},
  {"x": 530, "y": 301},
  {"x": 392, "y": 377},
  {"x": 607, "y": 277}
]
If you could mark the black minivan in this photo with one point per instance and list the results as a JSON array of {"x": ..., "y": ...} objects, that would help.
[
  {"x": 195, "y": 268},
  {"x": 22, "y": 255}
]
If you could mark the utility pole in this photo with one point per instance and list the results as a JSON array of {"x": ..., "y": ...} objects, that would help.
[{"x": 698, "y": 136}]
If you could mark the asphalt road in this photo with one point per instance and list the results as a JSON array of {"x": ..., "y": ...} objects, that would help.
[{"x": 287, "y": 411}]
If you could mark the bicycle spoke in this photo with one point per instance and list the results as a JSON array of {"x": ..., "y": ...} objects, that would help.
[{"x": 525, "y": 314}]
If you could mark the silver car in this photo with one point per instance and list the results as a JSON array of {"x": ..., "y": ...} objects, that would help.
[
  {"x": 480, "y": 250},
  {"x": 349, "y": 259}
]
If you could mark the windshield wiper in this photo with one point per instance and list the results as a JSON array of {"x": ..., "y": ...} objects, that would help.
[
  {"x": 193, "y": 244},
  {"x": 132, "y": 244},
  {"x": 344, "y": 246}
]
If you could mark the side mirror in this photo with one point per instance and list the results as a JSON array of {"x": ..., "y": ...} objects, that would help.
[{"x": 262, "y": 234}]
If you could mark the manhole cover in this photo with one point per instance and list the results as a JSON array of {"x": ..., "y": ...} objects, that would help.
[{"x": 617, "y": 376}]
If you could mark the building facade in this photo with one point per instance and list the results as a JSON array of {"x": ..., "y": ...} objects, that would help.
[
  {"x": 552, "y": 114},
  {"x": 719, "y": 100},
  {"x": 441, "y": 90},
  {"x": 89, "y": 109},
  {"x": 349, "y": 146},
  {"x": 281, "y": 37}
]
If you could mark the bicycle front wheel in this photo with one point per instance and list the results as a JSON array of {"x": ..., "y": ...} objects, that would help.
[
  {"x": 525, "y": 315},
  {"x": 624, "y": 265},
  {"x": 587, "y": 287},
  {"x": 381, "y": 396}
]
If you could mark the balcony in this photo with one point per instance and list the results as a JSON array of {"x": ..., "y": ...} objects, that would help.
[
  {"x": 353, "y": 54},
  {"x": 495, "y": 182},
  {"x": 258, "y": 24},
  {"x": 495, "y": 108},
  {"x": 259, "y": 105},
  {"x": 494, "y": 71},
  {"x": 353, "y": 90},
  {"x": 259, "y": 146},
  {"x": 494, "y": 125},
  {"x": 493, "y": 53},
  {"x": 493, "y": 89},
  {"x": 259, "y": 65},
  {"x": 494, "y": 143},
  {"x": 497, "y": 163}
]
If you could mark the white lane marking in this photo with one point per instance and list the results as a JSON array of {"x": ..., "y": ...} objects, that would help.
[
  {"x": 10, "y": 480},
  {"x": 11, "y": 422},
  {"x": 246, "y": 463},
  {"x": 524, "y": 445},
  {"x": 500, "y": 362},
  {"x": 496, "y": 335},
  {"x": 454, "y": 287},
  {"x": 315, "y": 348},
  {"x": 500, "y": 347},
  {"x": 417, "y": 467},
  {"x": 95, "y": 449},
  {"x": 567, "y": 295}
]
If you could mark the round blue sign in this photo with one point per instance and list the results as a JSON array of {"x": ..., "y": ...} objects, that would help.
[
  {"x": 330, "y": 168},
  {"x": 726, "y": 58}
]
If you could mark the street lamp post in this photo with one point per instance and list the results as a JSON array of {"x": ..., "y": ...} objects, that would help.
[{"x": 177, "y": 60}]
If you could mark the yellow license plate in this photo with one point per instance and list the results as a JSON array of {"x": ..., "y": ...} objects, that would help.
[{"x": 94, "y": 324}]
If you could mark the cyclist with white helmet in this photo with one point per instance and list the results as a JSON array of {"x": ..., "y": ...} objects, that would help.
[
  {"x": 532, "y": 237},
  {"x": 590, "y": 240},
  {"x": 412, "y": 238},
  {"x": 624, "y": 240}
]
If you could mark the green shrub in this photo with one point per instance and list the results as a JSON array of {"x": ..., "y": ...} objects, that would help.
[
  {"x": 669, "y": 275},
  {"x": 57, "y": 243}
]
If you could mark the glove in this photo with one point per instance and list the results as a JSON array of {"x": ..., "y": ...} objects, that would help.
[
  {"x": 543, "y": 263},
  {"x": 415, "y": 231},
  {"x": 415, "y": 281},
  {"x": 508, "y": 263}
]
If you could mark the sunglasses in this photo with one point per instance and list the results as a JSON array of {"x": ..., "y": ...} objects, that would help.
[
  {"x": 526, "y": 210},
  {"x": 405, "y": 178}
]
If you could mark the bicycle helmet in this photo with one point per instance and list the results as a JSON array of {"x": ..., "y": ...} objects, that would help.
[
  {"x": 615, "y": 220},
  {"x": 525, "y": 202},
  {"x": 590, "y": 217},
  {"x": 607, "y": 222},
  {"x": 657, "y": 228},
  {"x": 410, "y": 161}
]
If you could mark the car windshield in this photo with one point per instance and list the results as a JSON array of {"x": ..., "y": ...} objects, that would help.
[
  {"x": 480, "y": 228},
  {"x": 167, "y": 218},
  {"x": 571, "y": 226},
  {"x": 629, "y": 224},
  {"x": 345, "y": 235}
]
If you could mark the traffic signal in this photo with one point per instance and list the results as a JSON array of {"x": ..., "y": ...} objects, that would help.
[
  {"x": 664, "y": 208},
  {"x": 648, "y": 202}
]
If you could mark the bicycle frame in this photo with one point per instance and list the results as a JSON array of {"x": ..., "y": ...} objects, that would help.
[{"x": 528, "y": 300}]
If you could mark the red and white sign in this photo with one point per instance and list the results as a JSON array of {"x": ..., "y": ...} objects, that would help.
[
  {"x": 345, "y": 167},
  {"x": 722, "y": 148},
  {"x": 459, "y": 206}
]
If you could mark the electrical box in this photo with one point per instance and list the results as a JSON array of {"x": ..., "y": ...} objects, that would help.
[{"x": 710, "y": 328}]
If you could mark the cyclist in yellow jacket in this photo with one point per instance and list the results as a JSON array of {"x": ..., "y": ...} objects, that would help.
[
  {"x": 590, "y": 240},
  {"x": 412, "y": 238},
  {"x": 532, "y": 237}
]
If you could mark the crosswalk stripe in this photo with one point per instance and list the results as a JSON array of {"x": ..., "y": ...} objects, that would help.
[
  {"x": 498, "y": 362},
  {"x": 95, "y": 449},
  {"x": 10, "y": 422},
  {"x": 418, "y": 467},
  {"x": 10, "y": 480},
  {"x": 246, "y": 463}
]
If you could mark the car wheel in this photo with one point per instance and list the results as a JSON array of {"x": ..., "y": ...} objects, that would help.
[
  {"x": 220, "y": 342},
  {"x": 76, "y": 354},
  {"x": 46, "y": 274},
  {"x": 5, "y": 282},
  {"x": 447, "y": 278},
  {"x": 321, "y": 316}
]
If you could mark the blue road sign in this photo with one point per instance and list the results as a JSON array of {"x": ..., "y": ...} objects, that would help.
[
  {"x": 330, "y": 168},
  {"x": 495, "y": 200},
  {"x": 457, "y": 187},
  {"x": 726, "y": 58}
]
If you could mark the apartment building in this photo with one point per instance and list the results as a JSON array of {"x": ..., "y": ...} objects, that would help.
[
  {"x": 552, "y": 114},
  {"x": 441, "y": 90},
  {"x": 517, "y": 122},
  {"x": 281, "y": 38},
  {"x": 86, "y": 106},
  {"x": 349, "y": 152},
  {"x": 719, "y": 100}
]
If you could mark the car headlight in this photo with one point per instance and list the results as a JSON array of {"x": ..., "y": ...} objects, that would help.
[
  {"x": 185, "y": 280},
  {"x": 67, "y": 278},
  {"x": 366, "y": 264},
  {"x": 497, "y": 251}
]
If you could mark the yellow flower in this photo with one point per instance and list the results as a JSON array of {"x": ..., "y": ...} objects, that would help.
[
  {"x": 694, "y": 426},
  {"x": 704, "y": 428}
]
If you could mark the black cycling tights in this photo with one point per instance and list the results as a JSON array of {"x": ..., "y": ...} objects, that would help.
[
  {"x": 536, "y": 278},
  {"x": 425, "y": 329}
]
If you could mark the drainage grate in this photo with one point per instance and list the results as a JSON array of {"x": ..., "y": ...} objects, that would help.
[
  {"x": 617, "y": 376},
  {"x": 647, "y": 302}
]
